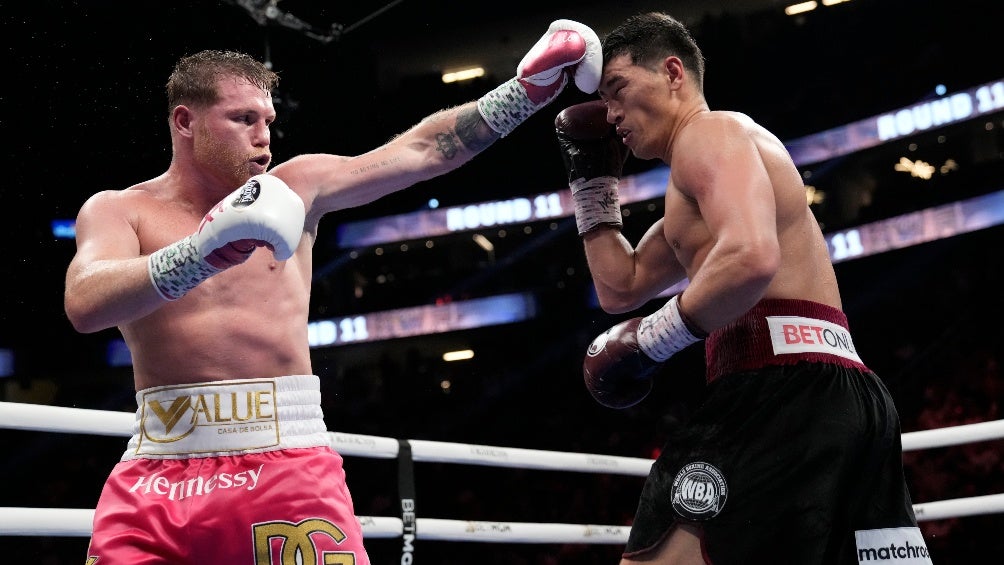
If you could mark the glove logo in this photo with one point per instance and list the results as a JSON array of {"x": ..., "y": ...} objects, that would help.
[
  {"x": 598, "y": 344},
  {"x": 248, "y": 195},
  {"x": 699, "y": 491}
]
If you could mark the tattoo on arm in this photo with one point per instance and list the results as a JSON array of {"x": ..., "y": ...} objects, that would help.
[
  {"x": 472, "y": 129},
  {"x": 446, "y": 143},
  {"x": 375, "y": 166}
]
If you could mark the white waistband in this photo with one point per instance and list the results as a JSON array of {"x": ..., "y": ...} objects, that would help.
[{"x": 227, "y": 418}]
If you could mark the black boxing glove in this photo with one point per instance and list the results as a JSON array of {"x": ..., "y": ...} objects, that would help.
[
  {"x": 617, "y": 372},
  {"x": 594, "y": 158}
]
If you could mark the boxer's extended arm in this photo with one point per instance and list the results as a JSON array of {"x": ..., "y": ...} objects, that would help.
[
  {"x": 108, "y": 283},
  {"x": 449, "y": 138}
]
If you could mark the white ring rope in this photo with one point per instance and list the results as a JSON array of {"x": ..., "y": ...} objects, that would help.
[
  {"x": 16, "y": 521},
  {"x": 40, "y": 418},
  {"x": 76, "y": 522},
  {"x": 956, "y": 435},
  {"x": 491, "y": 456}
]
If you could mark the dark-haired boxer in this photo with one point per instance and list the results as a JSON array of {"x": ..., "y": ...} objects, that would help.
[
  {"x": 794, "y": 456},
  {"x": 230, "y": 462}
]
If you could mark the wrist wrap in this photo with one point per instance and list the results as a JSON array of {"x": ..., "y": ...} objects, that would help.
[
  {"x": 663, "y": 333},
  {"x": 597, "y": 203},
  {"x": 178, "y": 268},
  {"x": 506, "y": 107}
]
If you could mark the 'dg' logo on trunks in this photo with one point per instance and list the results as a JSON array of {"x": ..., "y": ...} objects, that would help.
[
  {"x": 699, "y": 491},
  {"x": 307, "y": 540}
]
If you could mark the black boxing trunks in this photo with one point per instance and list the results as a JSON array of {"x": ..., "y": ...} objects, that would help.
[
  {"x": 794, "y": 456},
  {"x": 236, "y": 472}
]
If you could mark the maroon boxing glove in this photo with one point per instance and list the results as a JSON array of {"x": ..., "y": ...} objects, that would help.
[
  {"x": 617, "y": 372},
  {"x": 594, "y": 159},
  {"x": 589, "y": 144}
]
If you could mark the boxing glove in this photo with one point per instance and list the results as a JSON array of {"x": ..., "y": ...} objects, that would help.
[
  {"x": 594, "y": 158},
  {"x": 616, "y": 371},
  {"x": 620, "y": 363},
  {"x": 567, "y": 48},
  {"x": 263, "y": 212}
]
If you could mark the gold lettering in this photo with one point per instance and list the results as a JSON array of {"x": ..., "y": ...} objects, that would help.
[
  {"x": 297, "y": 540},
  {"x": 216, "y": 409},
  {"x": 262, "y": 399},
  {"x": 233, "y": 399},
  {"x": 170, "y": 416},
  {"x": 199, "y": 406}
]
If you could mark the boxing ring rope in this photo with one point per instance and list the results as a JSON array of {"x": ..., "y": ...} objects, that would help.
[{"x": 70, "y": 522}]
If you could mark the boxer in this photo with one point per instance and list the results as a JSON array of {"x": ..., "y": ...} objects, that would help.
[
  {"x": 793, "y": 454},
  {"x": 206, "y": 271}
]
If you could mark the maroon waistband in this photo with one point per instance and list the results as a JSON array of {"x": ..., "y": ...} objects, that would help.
[{"x": 746, "y": 343}]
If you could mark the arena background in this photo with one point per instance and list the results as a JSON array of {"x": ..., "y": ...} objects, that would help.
[{"x": 84, "y": 111}]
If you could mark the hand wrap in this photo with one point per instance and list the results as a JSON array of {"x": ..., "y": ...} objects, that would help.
[
  {"x": 664, "y": 332},
  {"x": 178, "y": 268}
]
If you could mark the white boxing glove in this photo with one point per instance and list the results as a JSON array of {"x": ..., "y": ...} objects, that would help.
[
  {"x": 263, "y": 212},
  {"x": 264, "y": 209},
  {"x": 566, "y": 43},
  {"x": 568, "y": 47}
]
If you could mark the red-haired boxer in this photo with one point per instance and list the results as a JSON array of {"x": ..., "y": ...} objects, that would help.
[
  {"x": 230, "y": 461},
  {"x": 794, "y": 456}
]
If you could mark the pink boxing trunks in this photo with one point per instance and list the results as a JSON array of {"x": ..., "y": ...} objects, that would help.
[{"x": 236, "y": 472}]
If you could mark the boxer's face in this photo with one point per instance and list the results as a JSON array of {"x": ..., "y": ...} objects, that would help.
[
  {"x": 232, "y": 136},
  {"x": 636, "y": 99}
]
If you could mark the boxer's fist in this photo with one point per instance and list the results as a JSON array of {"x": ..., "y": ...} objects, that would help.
[
  {"x": 263, "y": 212},
  {"x": 616, "y": 371},
  {"x": 589, "y": 144},
  {"x": 567, "y": 49},
  {"x": 568, "y": 46},
  {"x": 594, "y": 158}
]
